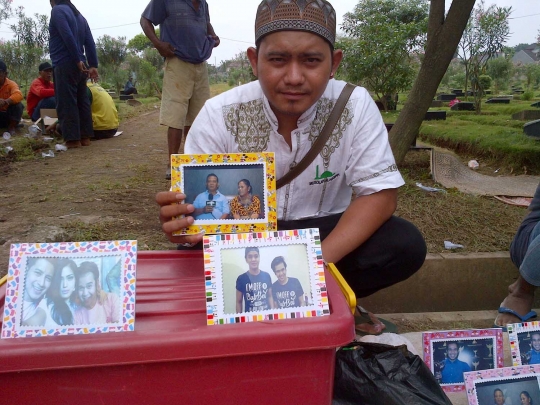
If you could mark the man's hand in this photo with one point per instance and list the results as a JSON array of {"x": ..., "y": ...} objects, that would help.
[
  {"x": 216, "y": 39},
  {"x": 172, "y": 205},
  {"x": 208, "y": 209},
  {"x": 3, "y": 103},
  {"x": 165, "y": 49},
  {"x": 93, "y": 74},
  {"x": 82, "y": 67}
]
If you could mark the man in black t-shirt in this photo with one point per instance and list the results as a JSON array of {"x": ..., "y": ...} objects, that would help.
[
  {"x": 254, "y": 287},
  {"x": 286, "y": 291}
]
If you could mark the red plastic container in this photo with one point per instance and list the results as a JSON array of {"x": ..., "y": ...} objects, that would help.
[{"x": 173, "y": 357}]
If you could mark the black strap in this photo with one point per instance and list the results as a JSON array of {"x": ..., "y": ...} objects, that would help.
[{"x": 323, "y": 137}]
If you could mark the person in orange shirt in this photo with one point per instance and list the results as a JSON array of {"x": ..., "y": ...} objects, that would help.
[
  {"x": 41, "y": 94},
  {"x": 11, "y": 108}
]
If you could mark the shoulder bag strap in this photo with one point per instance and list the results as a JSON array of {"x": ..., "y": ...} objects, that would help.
[{"x": 317, "y": 146}]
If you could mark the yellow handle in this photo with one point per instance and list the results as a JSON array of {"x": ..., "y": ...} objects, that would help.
[{"x": 349, "y": 294}]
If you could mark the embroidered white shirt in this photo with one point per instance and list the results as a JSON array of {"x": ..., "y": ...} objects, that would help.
[{"x": 356, "y": 157}]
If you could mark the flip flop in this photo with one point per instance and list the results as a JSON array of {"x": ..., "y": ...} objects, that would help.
[
  {"x": 368, "y": 324},
  {"x": 524, "y": 318}
]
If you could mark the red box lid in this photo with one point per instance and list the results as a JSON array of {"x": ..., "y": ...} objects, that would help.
[{"x": 171, "y": 325}]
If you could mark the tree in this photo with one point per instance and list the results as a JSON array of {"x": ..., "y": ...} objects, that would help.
[
  {"x": 500, "y": 70},
  {"x": 31, "y": 32},
  {"x": 486, "y": 32},
  {"x": 444, "y": 33},
  {"x": 5, "y": 9},
  {"x": 381, "y": 38},
  {"x": 140, "y": 42},
  {"x": 112, "y": 53},
  {"x": 239, "y": 70}
]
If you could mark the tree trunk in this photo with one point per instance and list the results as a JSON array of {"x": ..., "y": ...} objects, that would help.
[{"x": 443, "y": 39}]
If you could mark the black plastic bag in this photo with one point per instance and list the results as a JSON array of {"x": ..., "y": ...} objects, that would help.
[{"x": 377, "y": 374}]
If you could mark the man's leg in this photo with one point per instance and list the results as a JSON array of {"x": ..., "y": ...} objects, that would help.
[
  {"x": 85, "y": 112},
  {"x": 66, "y": 80},
  {"x": 177, "y": 92},
  {"x": 392, "y": 254},
  {"x": 44, "y": 103},
  {"x": 520, "y": 296},
  {"x": 14, "y": 113}
]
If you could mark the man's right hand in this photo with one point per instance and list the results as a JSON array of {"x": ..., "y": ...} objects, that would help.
[
  {"x": 165, "y": 49},
  {"x": 208, "y": 209},
  {"x": 172, "y": 205},
  {"x": 3, "y": 103}
]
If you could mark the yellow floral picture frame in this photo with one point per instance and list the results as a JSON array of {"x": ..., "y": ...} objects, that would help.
[{"x": 224, "y": 211}]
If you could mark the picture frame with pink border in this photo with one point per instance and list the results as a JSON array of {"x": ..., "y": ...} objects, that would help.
[
  {"x": 524, "y": 341},
  {"x": 70, "y": 288},
  {"x": 460, "y": 351},
  {"x": 508, "y": 385}
]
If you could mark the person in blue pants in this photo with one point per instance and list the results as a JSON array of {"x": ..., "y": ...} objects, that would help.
[{"x": 525, "y": 254}]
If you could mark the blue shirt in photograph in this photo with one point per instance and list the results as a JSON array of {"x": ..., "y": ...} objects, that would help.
[
  {"x": 535, "y": 357},
  {"x": 452, "y": 373},
  {"x": 288, "y": 295},
  {"x": 185, "y": 28},
  {"x": 221, "y": 207},
  {"x": 255, "y": 290}
]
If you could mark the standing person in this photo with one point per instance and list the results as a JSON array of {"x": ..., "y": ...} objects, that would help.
[
  {"x": 286, "y": 291},
  {"x": 72, "y": 50},
  {"x": 41, "y": 93},
  {"x": 11, "y": 108},
  {"x": 97, "y": 306},
  {"x": 284, "y": 112},
  {"x": 254, "y": 287},
  {"x": 186, "y": 41}
]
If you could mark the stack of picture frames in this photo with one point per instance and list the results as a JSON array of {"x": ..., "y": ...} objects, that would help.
[
  {"x": 473, "y": 361},
  {"x": 253, "y": 272}
]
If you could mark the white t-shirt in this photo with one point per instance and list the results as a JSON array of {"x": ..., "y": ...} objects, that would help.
[{"x": 356, "y": 157}]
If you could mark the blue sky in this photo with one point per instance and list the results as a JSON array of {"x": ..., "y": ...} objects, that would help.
[{"x": 233, "y": 20}]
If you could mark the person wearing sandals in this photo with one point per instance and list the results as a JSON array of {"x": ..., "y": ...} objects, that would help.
[
  {"x": 525, "y": 254},
  {"x": 284, "y": 112}
]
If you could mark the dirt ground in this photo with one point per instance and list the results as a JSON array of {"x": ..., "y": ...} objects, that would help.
[
  {"x": 106, "y": 192},
  {"x": 107, "y": 188}
]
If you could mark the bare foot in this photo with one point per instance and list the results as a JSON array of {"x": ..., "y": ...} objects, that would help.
[{"x": 520, "y": 299}]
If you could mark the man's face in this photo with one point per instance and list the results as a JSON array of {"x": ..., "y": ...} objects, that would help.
[
  {"x": 499, "y": 397},
  {"x": 535, "y": 340},
  {"x": 3, "y": 76},
  {"x": 281, "y": 272},
  {"x": 46, "y": 75},
  {"x": 252, "y": 259},
  {"x": 212, "y": 184},
  {"x": 86, "y": 289},
  {"x": 293, "y": 68},
  {"x": 38, "y": 279},
  {"x": 452, "y": 351}
]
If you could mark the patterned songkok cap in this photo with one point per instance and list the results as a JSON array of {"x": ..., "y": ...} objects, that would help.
[{"x": 317, "y": 16}]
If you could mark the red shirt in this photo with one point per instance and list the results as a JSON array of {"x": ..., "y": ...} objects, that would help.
[{"x": 39, "y": 89}]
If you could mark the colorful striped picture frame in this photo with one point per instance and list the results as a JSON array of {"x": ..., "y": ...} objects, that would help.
[
  {"x": 524, "y": 341},
  {"x": 264, "y": 276},
  {"x": 70, "y": 288}
]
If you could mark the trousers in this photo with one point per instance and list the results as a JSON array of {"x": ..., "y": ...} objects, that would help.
[{"x": 72, "y": 103}]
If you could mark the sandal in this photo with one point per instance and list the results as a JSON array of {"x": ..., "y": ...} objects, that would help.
[{"x": 368, "y": 324}]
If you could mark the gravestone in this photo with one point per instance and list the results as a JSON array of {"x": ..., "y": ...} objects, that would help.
[
  {"x": 487, "y": 92},
  {"x": 126, "y": 97},
  {"x": 518, "y": 91},
  {"x": 436, "y": 104},
  {"x": 446, "y": 97},
  {"x": 463, "y": 106},
  {"x": 458, "y": 92},
  {"x": 435, "y": 115},
  {"x": 498, "y": 101},
  {"x": 537, "y": 104},
  {"x": 532, "y": 129},
  {"x": 527, "y": 115}
]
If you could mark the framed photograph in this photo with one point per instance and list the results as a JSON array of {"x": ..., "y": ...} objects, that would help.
[
  {"x": 264, "y": 276},
  {"x": 504, "y": 386},
  {"x": 524, "y": 343},
  {"x": 450, "y": 354},
  {"x": 70, "y": 288},
  {"x": 232, "y": 193}
]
